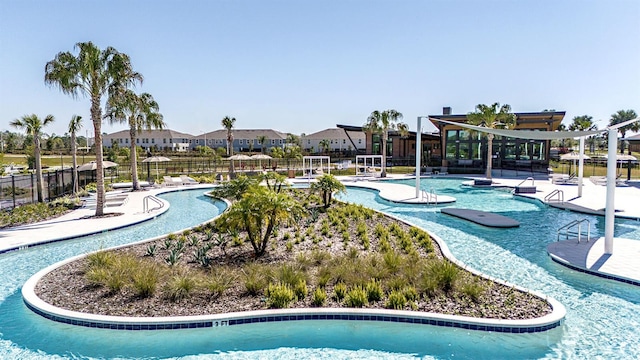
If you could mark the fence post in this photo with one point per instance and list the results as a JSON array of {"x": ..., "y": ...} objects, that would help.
[
  {"x": 13, "y": 189},
  {"x": 33, "y": 199}
]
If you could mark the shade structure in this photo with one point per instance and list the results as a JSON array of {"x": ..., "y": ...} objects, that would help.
[
  {"x": 92, "y": 165},
  {"x": 156, "y": 159},
  {"x": 240, "y": 157},
  {"x": 260, "y": 157}
]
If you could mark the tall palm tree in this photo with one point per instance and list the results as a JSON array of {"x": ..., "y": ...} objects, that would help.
[
  {"x": 262, "y": 139},
  {"x": 33, "y": 125},
  {"x": 622, "y": 116},
  {"x": 93, "y": 73},
  {"x": 380, "y": 123},
  {"x": 228, "y": 123},
  {"x": 74, "y": 126},
  {"x": 492, "y": 117},
  {"x": 139, "y": 112}
]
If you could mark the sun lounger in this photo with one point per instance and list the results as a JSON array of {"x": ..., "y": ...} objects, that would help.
[
  {"x": 187, "y": 180},
  {"x": 168, "y": 181}
]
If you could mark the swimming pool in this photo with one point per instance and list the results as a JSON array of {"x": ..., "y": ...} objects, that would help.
[
  {"x": 29, "y": 336},
  {"x": 603, "y": 316}
]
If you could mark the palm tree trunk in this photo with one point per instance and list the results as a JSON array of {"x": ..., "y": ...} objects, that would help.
[
  {"x": 134, "y": 159},
  {"x": 489, "y": 155},
  {"x": 36, "y": 153},
  {"x": 74, "y": 151},
  {"x": 96, "y": 118}
]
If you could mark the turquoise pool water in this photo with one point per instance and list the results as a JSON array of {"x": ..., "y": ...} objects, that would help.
[{"x": 601, "y": 322}]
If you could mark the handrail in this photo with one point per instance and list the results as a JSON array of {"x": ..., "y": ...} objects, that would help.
[
  {"x": 432, "y": 197},
  {"x": 527, "y": 179},
  {"x": 557, "y": 192},
  {"x": 571, "y": 225},
  {"x": 145, "y": 204}
]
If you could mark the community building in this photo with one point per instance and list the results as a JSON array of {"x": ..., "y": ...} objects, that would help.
[{"x": 466, "y": 151}]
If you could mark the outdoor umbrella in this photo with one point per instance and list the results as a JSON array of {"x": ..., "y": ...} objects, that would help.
[
  {"x": 92, "y": 165},
  {"x": 261, "y": 157},
  {"x": 240, "y": 157},
  {"x": 156, "y": 159},
  {"x": 573, "y": 156}
]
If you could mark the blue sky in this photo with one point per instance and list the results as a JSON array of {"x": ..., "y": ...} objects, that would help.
[{"x": 303, "y": 66}]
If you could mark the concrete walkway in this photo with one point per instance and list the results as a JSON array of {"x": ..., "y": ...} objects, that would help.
[{"x": 77, "y": 223}]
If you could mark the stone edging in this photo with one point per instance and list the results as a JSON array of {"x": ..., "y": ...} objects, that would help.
[{"x": 37, "y": 305}]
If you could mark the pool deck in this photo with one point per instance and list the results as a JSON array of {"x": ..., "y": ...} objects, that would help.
[{"x": 76, "y": 223}]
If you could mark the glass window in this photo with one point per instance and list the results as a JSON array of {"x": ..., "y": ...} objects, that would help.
[
  {"x": 464, "y": 135},
  {"x": 464, "y": 151},
  {"x": 510, "y": 150},
  {"x": 450, "y": 150}
]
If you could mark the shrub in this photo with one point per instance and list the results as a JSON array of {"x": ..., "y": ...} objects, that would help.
[
  {"x": 324, "y": 275},
  {"x": 319, "y": 297},
  {"x": 374, "y": 291},
  {"x": 279, "y": 296},
  {"x": 473, "y": 289},
  {"x": 392, "y": 261},
  {"x": 445, "y": 272},
  {"x": 173, "y": 257},
  {"x": 410, "y": 293},
  {"x": 151, "y": 250},
  {"x": 219, "y": 281},
  {"x": 255, "y": 279},
  {"x": 300, "y": 289},
  {"x": 289, "y": 246},
  {"x": 396, "y": 301},
  {"x": 290, "y": 275},
  {"x": 101, "y": 259},
  {"x": 339, "y": 291},
  {"x": 97, "y": 276},
  {"x": 356, "y": 297},
  {"x": 179, "y": 287},
  {"x": 145, "y": 279}
]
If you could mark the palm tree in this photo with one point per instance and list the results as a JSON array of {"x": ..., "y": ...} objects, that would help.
[
  {"x": 380, "y": 123},
  {"x": 325, "y": 146},
  {"x": 490, "y": 117},
  {"x": 620, "y": 117},
  {"x": 94, "y": 73},
  {"x": 258, "y": 213},
  {"x": 33, "y": 125},
  {"x": 584, "y": 123},
  {"x": 74, "y": 126},
  {"x": 228, "y": 124},
  {"x": 139, "y": 112},
  {"x": 327, "y": 185},
  {"x": 262, "y": 139}
]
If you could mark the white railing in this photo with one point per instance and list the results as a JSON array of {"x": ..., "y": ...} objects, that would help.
[
  {"x": 559, "y": 194},
  {"x": 431, "y": 196},
  {"x": 567, "y": 229},
  {"x": 150, "y": 198}
]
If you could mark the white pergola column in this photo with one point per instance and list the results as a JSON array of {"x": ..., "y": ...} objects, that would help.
[
  {"x": 580, "y": 166},
  {"x": 418, "y": 153},
  {"x": 609, "y": 215}
]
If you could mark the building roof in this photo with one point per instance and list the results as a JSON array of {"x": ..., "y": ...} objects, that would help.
[
  {"x": 335, "y": 133},
  {"x": 166, "y": 133},
  {"x": 243, "y": 134},
  {"x": 632, "y": 138}
]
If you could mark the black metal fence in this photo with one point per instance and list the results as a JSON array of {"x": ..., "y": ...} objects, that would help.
[{"x": 21, "y": 189}]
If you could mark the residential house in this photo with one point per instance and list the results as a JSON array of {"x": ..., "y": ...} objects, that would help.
[
  {"x": 243, "y": 139},
  {"x": 163, "y": 140},
  {"x": 340, "y": 140}
]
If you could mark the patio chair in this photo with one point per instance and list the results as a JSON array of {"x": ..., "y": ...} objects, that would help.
[
  {"x": 187, "y": 180},
  {"x": 168, "y": 181}
]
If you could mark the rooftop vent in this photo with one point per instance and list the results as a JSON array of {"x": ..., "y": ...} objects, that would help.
[{"x": 446, "y": 110}]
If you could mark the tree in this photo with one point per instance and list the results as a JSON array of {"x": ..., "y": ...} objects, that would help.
[
  {"x": 138, "y": 112},
  {"x": 327, "y": 185},
  {"x": 274, "y": 181},
  {"x": 33, "y": 125},
  {"x": 258, "y": 212},
  {"x": 262, "y": 140},
  {"x": 235, "y": 188},
  {"x": 490, "y": 117},
  {"x": 93, "y": 73},
  {"x": 74, "y": 126},
  {"x": 620, "y": 117},
  {"x": 584, "y": 123},
  {"x": 380, "y": 123},
  {"x": 324, "y": 145},
  {"x": 228, "y": 123}
]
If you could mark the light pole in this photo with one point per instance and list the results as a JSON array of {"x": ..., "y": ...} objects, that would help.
[{"x": 418, "y": 153}]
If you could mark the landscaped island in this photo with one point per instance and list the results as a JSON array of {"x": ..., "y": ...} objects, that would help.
[{"x": 327, "y": 255}]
